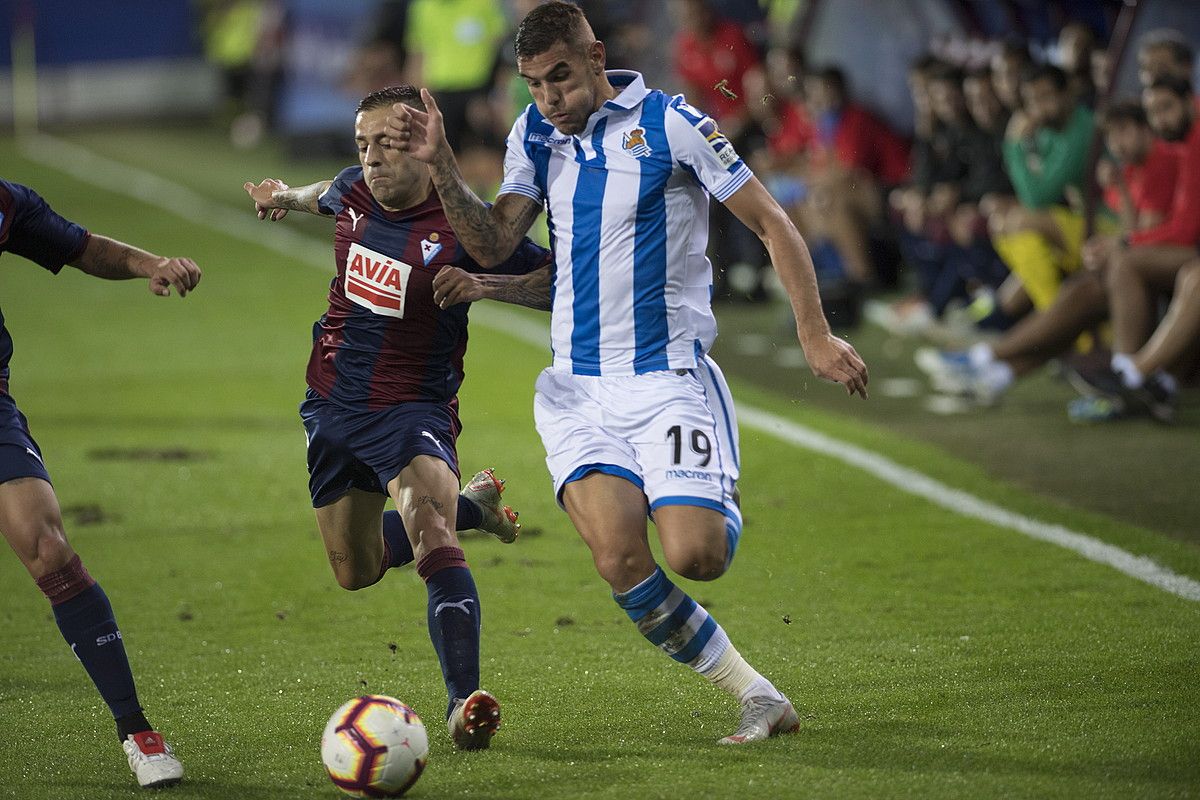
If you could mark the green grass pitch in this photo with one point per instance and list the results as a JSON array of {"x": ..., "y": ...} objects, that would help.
[{"x": 929, "y": 655}]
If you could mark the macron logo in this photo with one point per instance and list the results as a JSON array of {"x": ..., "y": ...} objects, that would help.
[{"x": 354, "y": 218}]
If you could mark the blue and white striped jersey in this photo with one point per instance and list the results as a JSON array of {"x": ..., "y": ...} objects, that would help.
[{"x": 627, "y": 203}]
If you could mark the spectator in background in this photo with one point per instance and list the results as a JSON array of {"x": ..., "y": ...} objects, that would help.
[
  {"x": 1140, "y": 175},
  {"x": 1009, "y": 64},
  {"x": 243, "y": 38},
  {"x": 1158, "y": 260},
  {"x": 1164, "y": 53},
  {"x": 711, "y": 57},
  {"x": 1045, "y": 153},
  {"x": 380, "y": 60},
  {"x": 1076, "y": 43},
  {"x": 856, "y": 158},
  {"x": 452, "y": 46}
]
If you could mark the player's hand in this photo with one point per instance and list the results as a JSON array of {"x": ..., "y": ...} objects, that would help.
[
  {"x": 262, "y": 193},
  {"x": 420, "y": 134},
  {"x": 834, "y": 359},
  {"x": 182, "y": 273},
  {"x": 452, "y": 286}
]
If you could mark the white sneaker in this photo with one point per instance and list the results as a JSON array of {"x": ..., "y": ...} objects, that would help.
[
  {"x": 474, "y": 721},
  {"x": 762, "y": 718},
  {"x": 499, "y": 520},
  {"x": 952, "y": 372},
  {"x": 152, "y": 760}
]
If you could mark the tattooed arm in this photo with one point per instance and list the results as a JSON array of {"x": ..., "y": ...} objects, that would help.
[
  {"x": 274, "y": 198},
  {"x": 116, "y": 261},
  {"x": 490, "y": 235},
  {"x": 452, "y": 285}
]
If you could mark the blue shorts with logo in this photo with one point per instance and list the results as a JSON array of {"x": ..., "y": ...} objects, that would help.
[
  {"x": 349, "y": 449},
  {"x": 20, "y": 456}
]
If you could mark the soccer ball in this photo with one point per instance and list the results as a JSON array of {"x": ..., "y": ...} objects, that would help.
[{"x": 374, "y": 746}]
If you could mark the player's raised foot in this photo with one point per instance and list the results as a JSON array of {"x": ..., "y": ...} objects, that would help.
[
  {"x": 762, "y": 718},
  {"x": 499, "y": 520},
  {"x": 474, "y": 721},
  {"x": 152, "y": 760}
]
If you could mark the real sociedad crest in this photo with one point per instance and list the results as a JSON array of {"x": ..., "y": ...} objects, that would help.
[{"x": 634, "y": 142}]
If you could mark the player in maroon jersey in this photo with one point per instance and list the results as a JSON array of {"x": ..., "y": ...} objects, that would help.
[
  {"x": 381, "y": 411},
  {"x": 30, "y": 519}
]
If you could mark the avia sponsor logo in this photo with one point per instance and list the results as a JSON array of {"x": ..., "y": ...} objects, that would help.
[
  {"x": 376, "y": 282},
  {"x": 691, "y": 474},
  {"x": 107, "y": 638}
]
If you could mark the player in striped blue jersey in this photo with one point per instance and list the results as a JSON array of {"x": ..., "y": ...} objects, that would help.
[{"x": 633, "y": 413}]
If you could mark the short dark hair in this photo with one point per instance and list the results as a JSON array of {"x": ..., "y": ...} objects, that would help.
[
  {"x": 835, "y": 77},
  {"x": 409, "y": 95},
  {"x": 1173, "y": 42},
  {"x": 978, "y": 74},
  {"x": 1015, "y": 48},
  {"x": 925, "y": 64},
  {"x": 547, "y": 25},
  {"x": 1127, "y": 110},
  {"x": 1047, "y": 72},
  {"x": 1180, "y": 87},
  {"x": 946, "y": 73}
]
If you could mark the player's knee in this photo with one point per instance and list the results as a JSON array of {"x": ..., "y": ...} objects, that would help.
[
  {"x": 352, "y": 577},
  {"x": 698, "y": 563},
  {"x": 1187, "y": 282},
  {"x": 46, "y": 548},
  {"x": 621, "y": 568}
]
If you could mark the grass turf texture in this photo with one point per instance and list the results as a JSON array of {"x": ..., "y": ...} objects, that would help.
[{"x": 929, "y": 655}]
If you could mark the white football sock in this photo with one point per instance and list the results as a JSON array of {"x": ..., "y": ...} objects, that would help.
[
  {"x": 980, "y": 355},
  {"x": 1131, "y": 376}
]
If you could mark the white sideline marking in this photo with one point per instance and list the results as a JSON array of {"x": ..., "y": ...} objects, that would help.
[{"x": 113, "y": 176}]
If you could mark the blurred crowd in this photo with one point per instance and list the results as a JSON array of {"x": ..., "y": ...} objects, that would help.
[{"x": 1026, "y": 214}]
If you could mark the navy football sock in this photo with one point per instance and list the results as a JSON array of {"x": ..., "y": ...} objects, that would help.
[
  {"x": 469, "y": 515},
  {"x": 398, "y": 550},
  {"x": 85, "y": 618},
  {"x": 454, "y": 619}
]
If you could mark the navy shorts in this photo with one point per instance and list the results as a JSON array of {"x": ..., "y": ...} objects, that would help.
[
  {"x": 365, "y": 450},
  {"x": 20, "y": 456}
]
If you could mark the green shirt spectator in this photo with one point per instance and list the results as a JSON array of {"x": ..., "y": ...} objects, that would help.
[
  {"x": 455, "y": 42},
  {"x": 1043, "y": 166}
]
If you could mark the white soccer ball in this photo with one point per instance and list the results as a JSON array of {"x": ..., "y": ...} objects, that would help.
[{"x": 374, "y": 746}]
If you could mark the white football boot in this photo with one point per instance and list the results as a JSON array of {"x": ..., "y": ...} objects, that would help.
[
  {"x": 152, "y": 760},
  {"x": 762, "y": 718},
  {"x": 474, "y": 721},
  {"x": 499, "y": 520}
]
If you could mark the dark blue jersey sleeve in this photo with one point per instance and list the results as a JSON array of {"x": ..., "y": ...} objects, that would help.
[
  {"x": 31, "y": 229},
  {"x": 330, "y": 202},
  {"x": 525, "y": 259}
]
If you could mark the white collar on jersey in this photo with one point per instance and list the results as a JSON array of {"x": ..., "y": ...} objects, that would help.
[{"x": 631, "y": 88}]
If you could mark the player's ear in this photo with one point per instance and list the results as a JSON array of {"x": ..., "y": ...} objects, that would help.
[{"x": 596, "y": 56}]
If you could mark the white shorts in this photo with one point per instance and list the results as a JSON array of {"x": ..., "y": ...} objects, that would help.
[{"x": 672, "y": 433}]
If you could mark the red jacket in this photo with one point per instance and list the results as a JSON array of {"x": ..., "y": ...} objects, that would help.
[
  {"x": 863, "y": 141},
  {"x": 1182, "y": 225}
]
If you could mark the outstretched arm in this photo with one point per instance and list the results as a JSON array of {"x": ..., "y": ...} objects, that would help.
[
  {"x": 829, "y": 357},
  {"x": 273, "y": 198},
  {"x": 453, "y": 285},
  {"x": 116, "y": 261},
  {"x": 490, "y": 235}
]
